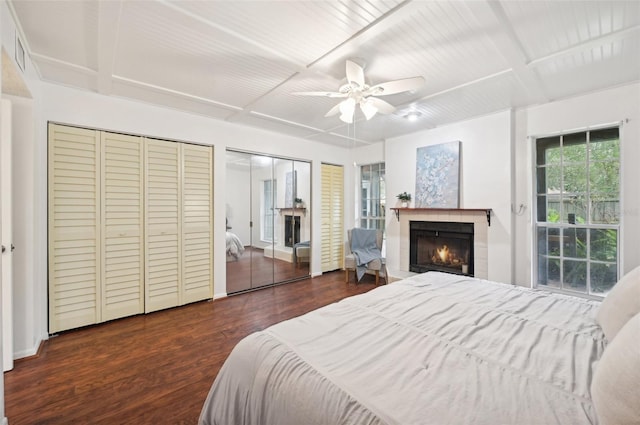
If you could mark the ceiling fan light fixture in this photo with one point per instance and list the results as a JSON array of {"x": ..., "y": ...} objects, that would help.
[
  {"x": 413, "y": 116},
  {"x": 368, "y": 109},
  {"x": 348, "y": 118},
  {"x": 348, "y": 106},
  {"x": 347, "y": 109},
  {"x": 357, "y": 92}
]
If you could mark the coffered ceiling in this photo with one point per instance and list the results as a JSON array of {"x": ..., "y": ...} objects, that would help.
[{"x": 240, "y": 61}]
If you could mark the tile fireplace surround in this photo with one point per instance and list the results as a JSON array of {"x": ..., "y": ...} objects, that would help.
[{"x": 480, "y": 226}]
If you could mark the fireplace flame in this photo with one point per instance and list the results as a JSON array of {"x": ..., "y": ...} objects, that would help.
[{"x": 443, "y": 253}]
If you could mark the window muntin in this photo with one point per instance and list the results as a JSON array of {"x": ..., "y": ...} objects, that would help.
[{"x": 578, "y": 210}]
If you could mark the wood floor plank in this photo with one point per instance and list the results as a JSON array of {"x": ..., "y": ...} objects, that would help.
[{"x": 155, "y": 368}]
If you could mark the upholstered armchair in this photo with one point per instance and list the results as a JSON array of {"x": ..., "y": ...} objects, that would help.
[
  {"x": 375, "y": 266},
  {"x": 301, "y": 253}
]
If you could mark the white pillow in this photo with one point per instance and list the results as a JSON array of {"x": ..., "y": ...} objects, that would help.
[
  {"x": 620, "y": 305},
  {"x": 615, "y": 389}
]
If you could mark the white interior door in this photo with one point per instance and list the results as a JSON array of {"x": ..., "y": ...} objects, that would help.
[{"x": 7, "y": 238}]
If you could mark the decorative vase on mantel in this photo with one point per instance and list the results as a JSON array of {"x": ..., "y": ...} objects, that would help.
[{"x": 404, "y": 204}]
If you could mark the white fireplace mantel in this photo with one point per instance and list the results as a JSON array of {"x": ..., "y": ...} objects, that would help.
[
  {"x": 486, "y": 211},
  {"x": 293, "y": 211}
]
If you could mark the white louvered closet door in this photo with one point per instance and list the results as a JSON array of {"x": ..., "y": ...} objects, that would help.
[
  {"x": 197, "y": 214},
  {"x": 74, "y": 227},
  {"x": 332, "y": 222},
  {"x": 122, "y": 225},
  {"x": 163, "y": 218}
]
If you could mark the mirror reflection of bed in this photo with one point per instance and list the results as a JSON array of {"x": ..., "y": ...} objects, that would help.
[{"x": 268, "y": 220}]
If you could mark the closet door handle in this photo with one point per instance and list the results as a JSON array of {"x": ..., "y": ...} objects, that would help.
[
  {"x": 12, "y": 247},
  {"x": 3, "y": 249}
]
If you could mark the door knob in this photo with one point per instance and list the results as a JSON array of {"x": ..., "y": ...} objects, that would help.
[
  {"x": 12, "y": 247},
  {"x": 3, "y": 249}
]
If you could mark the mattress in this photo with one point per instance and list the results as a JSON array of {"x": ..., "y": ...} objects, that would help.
[{"x": 432, "y": 349}]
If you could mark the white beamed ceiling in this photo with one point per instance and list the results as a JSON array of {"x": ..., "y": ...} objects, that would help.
[{"x": 240, "y": 60}]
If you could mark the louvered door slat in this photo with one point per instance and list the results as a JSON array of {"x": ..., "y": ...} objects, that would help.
[
  {"x": 74, "y": 232},
  {"x": 122, "y": 221},
  {"x": 163, "y": 218},
  {"x": 197, "y": 235}
]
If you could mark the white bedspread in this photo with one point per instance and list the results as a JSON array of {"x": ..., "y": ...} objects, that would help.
[
  {"x": 235, "y": 248},
  {"x": 433, "y": 349}
]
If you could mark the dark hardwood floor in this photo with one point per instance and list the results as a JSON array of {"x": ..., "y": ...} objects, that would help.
[
  {"x": 155, "y": 368},
  {"x": 253, "y": 269}
]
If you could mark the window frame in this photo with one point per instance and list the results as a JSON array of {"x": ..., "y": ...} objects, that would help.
[
  {"x": 381, "y": 166},
  {"x": 565, "y": 225}
]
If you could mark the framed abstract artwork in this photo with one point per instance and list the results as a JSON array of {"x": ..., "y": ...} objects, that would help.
[
  {"x": 438, "y": 176},
  {"x": 290, "y": 188}
]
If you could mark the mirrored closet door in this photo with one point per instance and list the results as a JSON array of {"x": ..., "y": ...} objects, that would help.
[{"x": 268, "y": 220}]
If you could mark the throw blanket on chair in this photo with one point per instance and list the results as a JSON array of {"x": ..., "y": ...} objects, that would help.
[
  {"x": 295, "y": 250},
  {"x": 364, "y": 249}
]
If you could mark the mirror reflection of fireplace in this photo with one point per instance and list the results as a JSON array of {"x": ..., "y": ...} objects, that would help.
[
  {"x": 291, "y": 230},
  {"x": 441, "y": 246}
]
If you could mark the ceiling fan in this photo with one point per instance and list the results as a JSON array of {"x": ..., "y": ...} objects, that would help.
[{"x": 357, "y": 92}]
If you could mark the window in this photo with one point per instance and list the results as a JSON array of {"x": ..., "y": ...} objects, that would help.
[
  {"x": 268, "y": 210},
  {"x": 578, "y": 211},
  {"x": 372, "y": 196}
]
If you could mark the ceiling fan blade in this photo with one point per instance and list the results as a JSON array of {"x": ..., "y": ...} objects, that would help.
[
  {"x": 320, "y": 93},
  {"x": 333, "y": 111},
  {"x": 383, "y": 107},
  {"x": 355, "y": 74},
  {"x": 396, "y": 86}
]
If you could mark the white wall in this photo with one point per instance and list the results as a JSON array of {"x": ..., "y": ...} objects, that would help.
[
  {"x": 605, "y": 107},
  {"x": 238, "y": 206},
  {"x": 260, "y": 172},
  {"x": 485, "y": 180},
  {"x": 497, "y": 172},
  {"x": 75, "y": 107}
]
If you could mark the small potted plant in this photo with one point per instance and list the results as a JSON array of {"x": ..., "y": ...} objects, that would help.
[
  {"x": 404, "y": 198},
  {"x": 299, "y": 203}
]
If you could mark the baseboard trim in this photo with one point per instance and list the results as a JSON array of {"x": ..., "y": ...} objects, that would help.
[
  {"x": 396, "y": 275},
  {"x": 30, "y": 353},
  {"x": 219, "y": 295}
]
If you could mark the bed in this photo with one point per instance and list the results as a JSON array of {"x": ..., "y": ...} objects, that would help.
[
  {"x": 432, "y": 349},
  {"x": 235, "y": 248}
]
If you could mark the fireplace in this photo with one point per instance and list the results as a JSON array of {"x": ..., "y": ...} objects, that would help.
[
  {"x": 291, "y": 230},
  {"x": 441, "y": 246}
]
